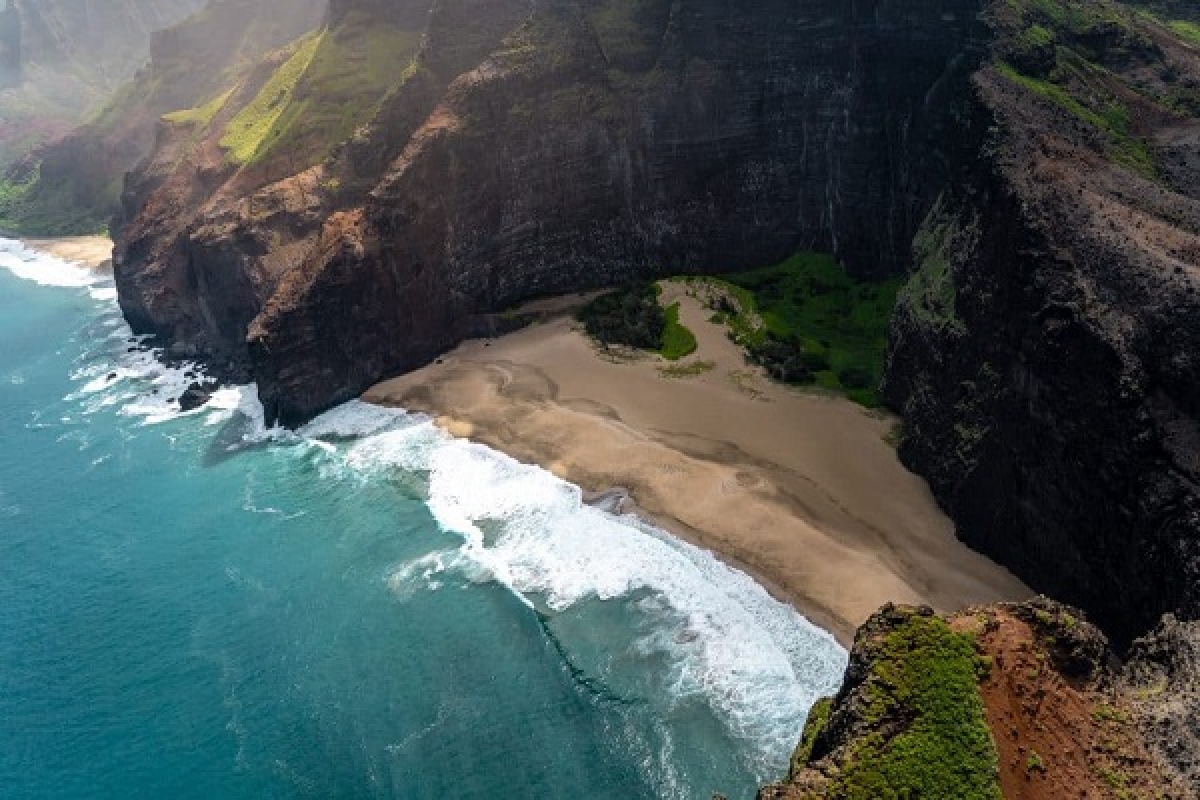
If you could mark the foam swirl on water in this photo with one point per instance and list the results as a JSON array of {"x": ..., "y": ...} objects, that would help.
[
  {"x": 45, "y": 270},
  {"x": 755, "y": 661},
  {"x": 758, "y": 662}
]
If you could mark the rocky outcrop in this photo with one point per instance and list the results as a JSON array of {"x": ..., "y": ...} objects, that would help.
[
  {"x": 1014, "y": 701},
  {"x": 536, "y": 148},
  {"x": 1045, "y": 353},
  {"x": 1162, "y": 680}
]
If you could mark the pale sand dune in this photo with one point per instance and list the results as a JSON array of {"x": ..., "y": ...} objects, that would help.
[
  {"x": 801, "y": 490},
  {"x": 94, "y": 252}
]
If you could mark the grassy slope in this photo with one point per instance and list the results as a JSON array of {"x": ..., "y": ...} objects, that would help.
[
  {"x": 331, "y": 83},
  {"x": 677, "y": 341},
  {"x": 1052, "y": 56},
  {"x": 247, "y": 133},
  {"x": 929, "y": 735},
  {"x": 201, "y": 116},
  {"x": 634, "y": 317}
]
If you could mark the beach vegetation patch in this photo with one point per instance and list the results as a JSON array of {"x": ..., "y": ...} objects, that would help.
[
  {"x": 688, "y": 370},
  {"x": 634, "y": 317},
  {"x": 631, "y": 316},
  {"x": 807, "y": 322},
  {"x": 677, "y": 341}
]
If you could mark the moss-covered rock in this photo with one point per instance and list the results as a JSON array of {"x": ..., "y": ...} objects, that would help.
[{"x": 909, "y": 721}]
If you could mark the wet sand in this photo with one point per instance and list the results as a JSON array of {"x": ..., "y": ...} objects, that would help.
[
  {"x": 94, "y": 252},
  {"x": 801, "y": 490}
]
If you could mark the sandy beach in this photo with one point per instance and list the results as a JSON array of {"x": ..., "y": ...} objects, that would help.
[
  {"x": 801, "y": 490},
  {"x": 94, "y": 252}
]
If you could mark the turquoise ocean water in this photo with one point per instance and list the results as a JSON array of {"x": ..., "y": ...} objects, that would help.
[{"x": 192, "y": 606}]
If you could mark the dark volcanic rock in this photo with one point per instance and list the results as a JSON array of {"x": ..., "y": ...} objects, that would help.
[
  {"x": 1045, "y": 354},
  {"x": 196, "y": 395},
  {"x": 1163, "y": 675},
  {"x": 558, "y": 146}
]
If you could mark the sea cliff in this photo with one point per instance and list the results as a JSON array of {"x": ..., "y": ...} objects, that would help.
[
  {"x": 527, "y": 150},
  {"x": 367, "y": 194}
]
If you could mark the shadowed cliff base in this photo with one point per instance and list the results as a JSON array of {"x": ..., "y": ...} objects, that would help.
[{"x": 797, "y": 487}]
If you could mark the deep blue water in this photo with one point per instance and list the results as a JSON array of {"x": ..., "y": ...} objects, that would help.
[{"x": 193, "y": 607}]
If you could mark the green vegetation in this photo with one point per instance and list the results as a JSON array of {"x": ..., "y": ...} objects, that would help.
[
  {"x": 1114, "y": 120},
  {"x": 818, "y": 718},
  {"x": 807, "y": 322},
  {"x": 923, "y": 687},
  {"x": 13, "y": 195},
  {"x": 1075, "y": 17},
  {"x": 31, "y": 207},
  {"x": 351, "y": 72},
  {"x": 632, "y": 317},
  {"x": 1034, "y": 763},
  {"x": 1062, "y": 50},
  {"x": 201, "y": 116},
  {"x": 677, "y": 341},
  {"x": 1186, "y": 30},
  {"x": 930, "y": 295},
  {"x": 689, "y": 370},
  {"x": 1115, "y": 779},
  {"x": 247, "y": 132},
  {"x": 330, "y": 83},
  {"x": 1111, "y": 714}
]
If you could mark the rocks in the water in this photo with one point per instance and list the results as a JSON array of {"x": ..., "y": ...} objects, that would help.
[{"x": 197, "y": 395}]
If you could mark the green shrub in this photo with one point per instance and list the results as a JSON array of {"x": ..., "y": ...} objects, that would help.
[
  {"x": 923, "y": 687},
  {"x": 677, "y": 341},
  {"x": 631, "y": 316},
  {"x": 808, "y": 322}
]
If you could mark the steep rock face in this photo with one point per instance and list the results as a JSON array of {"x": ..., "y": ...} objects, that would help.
[
  {"x": 1021, "y": 701},
  {"x": 537, "y": 148},
  {"x": 1163, "y": 680},
  {"x": 1045, "y": 355}
]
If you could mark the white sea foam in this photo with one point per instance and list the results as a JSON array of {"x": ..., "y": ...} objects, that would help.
[
  {"x": 757, "y": 662},
  {"x": 44, "y": 269}
]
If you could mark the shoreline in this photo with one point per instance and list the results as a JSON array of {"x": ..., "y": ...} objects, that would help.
[
  {"x": 798, "y": 489},
  {"x": 90, "y": 251}
]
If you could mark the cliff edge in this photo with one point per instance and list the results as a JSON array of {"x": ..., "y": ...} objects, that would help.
[
  {"x": 1045, "y": 352},
  {"x": 522, "y": 149},
  {"x": 1010, "y": 701}
]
